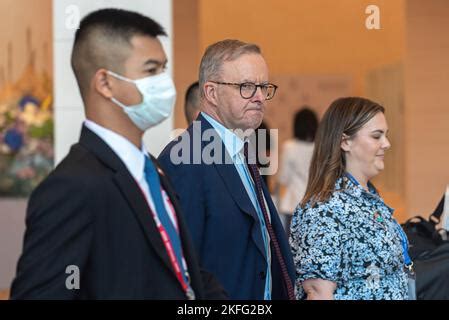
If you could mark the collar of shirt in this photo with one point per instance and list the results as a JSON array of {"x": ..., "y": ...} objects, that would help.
[
  {"x": 355, "y": 184},
  {"x": 349, "y": 185},
  {"x": 132, "y": 157},
  {"x": 232, "y": 142}
]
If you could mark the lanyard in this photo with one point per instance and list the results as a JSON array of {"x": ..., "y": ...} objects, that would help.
[
  {"x": 404, "y": 243},
  {"x": 354, "y": 181},
  {"x": 351, "y": 177},
  {"x": 180, "y": 273},
  {"x": 175, "y": 255}
]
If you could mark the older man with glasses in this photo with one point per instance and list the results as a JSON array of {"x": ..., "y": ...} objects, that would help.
[{"x": 234, "y": 224}]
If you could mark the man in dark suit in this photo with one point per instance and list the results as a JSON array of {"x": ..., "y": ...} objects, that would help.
[
  {"x": 232, "y": 219},
  {"x": 105, "y": 224}
]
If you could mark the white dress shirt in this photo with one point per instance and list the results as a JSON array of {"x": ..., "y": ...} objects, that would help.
[{"x": 134, "y": 160}]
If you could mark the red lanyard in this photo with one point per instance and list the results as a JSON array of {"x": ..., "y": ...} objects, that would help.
[
  {"x": 171, "y": 254},
  {"x": 167, "y": 243}
]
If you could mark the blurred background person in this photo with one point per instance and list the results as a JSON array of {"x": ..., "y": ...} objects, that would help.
[
  {"x": 295, "y": 163},
  {"x": 192, "y": 102},
  {"x": 345, "y": 242}
]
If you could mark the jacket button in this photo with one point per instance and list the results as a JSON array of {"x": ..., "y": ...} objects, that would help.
[{"x": 262, "y": 275}]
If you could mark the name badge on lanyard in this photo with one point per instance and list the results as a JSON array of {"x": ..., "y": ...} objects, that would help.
[
  {"x": 408, "y": 263},
  {"x": 411, "y": 276}
]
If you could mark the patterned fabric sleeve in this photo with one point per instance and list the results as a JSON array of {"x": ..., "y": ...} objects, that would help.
[{"x": 316, "y": 245}]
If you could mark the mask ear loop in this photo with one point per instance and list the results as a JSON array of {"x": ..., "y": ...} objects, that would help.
[
  {"x": 121, "y": 105},
  {"x": 119, "y": 76}
]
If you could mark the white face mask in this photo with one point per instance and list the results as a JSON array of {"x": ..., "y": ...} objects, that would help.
[{"x": 159, "y": 95}]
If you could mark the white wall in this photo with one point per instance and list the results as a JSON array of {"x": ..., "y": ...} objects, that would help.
[
  {"x": 68, "y": 108},
  {"x": 12, "y": 227}
]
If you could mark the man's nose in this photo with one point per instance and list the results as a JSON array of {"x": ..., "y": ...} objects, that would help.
[{"x": 259, "y": 95}]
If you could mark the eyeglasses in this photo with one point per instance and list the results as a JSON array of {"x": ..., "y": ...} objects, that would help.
[{"x": 248, "y": 89}]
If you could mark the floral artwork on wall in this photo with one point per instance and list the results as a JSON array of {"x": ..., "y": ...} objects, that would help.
[{"x": 26, "y": 124}]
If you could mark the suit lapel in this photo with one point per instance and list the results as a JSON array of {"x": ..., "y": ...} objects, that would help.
[
  {"x": 273, "y": 211},
  {"x": 234, "y": 184},
  {"x": 136, "y": 200},
  {"x": 187, "y": 246},
  {"x": 130, "y": 190},
  {"x": 237, "y": 190}
]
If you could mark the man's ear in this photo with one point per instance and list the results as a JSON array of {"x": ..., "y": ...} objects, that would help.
[
  {"x": 101, "y": 81},
  {"x": 345, "y": 143},
  {"x": 210, "y": 92}
]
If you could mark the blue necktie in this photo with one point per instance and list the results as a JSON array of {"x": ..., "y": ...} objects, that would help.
[{"x": 152, "y": 179}]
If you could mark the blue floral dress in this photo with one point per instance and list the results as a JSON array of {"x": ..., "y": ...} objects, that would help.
[{"x": 353, "y": 240}]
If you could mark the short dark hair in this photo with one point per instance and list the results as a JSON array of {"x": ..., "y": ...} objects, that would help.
[
  {"x": 192, "y": 101},
  {"x": 191, "y": 97},
  {"x": 104, "y": 38},
  {"x": 305, "y": 124}
]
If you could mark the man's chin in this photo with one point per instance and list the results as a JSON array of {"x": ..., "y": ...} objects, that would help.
[{"x": 255, "y": 118}]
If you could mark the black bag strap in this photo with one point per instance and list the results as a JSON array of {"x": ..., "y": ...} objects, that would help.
[
  {"x": 419, "y": 224},
  {"x": 415, "y": 219},
  {"x": 435, "y": 217}
]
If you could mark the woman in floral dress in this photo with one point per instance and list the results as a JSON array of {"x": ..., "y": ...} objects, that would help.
[{"x": 345, "y": 242}]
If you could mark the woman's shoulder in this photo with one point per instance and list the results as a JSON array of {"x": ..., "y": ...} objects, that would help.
[
  {"x": 334, "y": 205},
  {"x": 314, "y": 218}
]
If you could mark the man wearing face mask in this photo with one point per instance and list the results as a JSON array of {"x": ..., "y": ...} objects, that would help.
[{"x": 105, "y": 223}]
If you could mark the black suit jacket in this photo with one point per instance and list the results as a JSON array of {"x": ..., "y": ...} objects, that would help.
[{"x": 90, "y": 213}]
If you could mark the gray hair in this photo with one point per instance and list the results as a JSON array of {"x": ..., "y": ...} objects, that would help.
[{"x": 219, "y": 52}]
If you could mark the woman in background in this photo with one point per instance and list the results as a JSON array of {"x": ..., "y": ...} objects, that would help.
[
  {"x": 345, "y": 242},
  {"x": 295, "y": 163}
]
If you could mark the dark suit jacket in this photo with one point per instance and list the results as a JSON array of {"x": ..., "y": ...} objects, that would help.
[
  {"x": 90, "y": 213},
  {"x": 222, "y": 220}
]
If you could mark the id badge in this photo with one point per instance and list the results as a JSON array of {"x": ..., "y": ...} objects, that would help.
[{"x": 411, "y": 277}]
